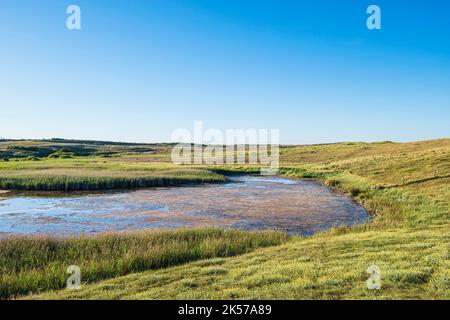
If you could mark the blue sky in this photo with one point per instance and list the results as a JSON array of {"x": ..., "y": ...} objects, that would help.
[{"x": 138, "y": 70}]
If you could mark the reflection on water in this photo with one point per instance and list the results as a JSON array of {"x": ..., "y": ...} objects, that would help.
[{"x": 298, "y": 207}]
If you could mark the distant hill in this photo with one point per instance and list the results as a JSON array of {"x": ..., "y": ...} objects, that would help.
[{"x": 44, "y": 148}]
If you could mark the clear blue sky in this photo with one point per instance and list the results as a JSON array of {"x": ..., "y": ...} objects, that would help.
[{"x": 140, "y": 69}]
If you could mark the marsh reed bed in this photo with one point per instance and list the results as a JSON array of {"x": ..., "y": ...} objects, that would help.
[
  {"x": 83, "y": 176},
  {"x": 37, "y": 264}
]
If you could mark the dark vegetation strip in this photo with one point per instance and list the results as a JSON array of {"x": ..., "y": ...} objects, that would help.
[{"x": 73, "y": 183}]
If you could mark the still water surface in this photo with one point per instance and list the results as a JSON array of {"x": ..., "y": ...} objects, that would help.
[{"x": 247, "y": 202}]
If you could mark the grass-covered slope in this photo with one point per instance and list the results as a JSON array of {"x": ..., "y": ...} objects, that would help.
[
  {"x": 35, "y": 264},
  {"x": 414, "y": 264},
  {"x": 405, "y": 186}
]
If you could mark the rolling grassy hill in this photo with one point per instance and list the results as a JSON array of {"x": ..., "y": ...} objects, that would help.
[
  {"x": 404, "y": 185},
  {"x": 414, "y": 265}
]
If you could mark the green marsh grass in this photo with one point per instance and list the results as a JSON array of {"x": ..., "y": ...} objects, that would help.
[
  {"x": 37, "y": 264},
  {"x": 94, "y": 174},
  {"x": 414, "y": 264},
  {"x": 405, "y": 186}
]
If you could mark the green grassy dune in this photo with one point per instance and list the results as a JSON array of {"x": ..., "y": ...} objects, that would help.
[
  {"x": 414, "y": 265},
  {"x": 404, "y": 185}
]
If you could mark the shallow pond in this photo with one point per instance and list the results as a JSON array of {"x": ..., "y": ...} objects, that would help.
[{"x": 246, "y": 202}]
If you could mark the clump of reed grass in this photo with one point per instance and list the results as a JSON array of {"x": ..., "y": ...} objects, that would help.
[
  {"x": 86, "y": 180},
  {"x": 37, "y": 264}
]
